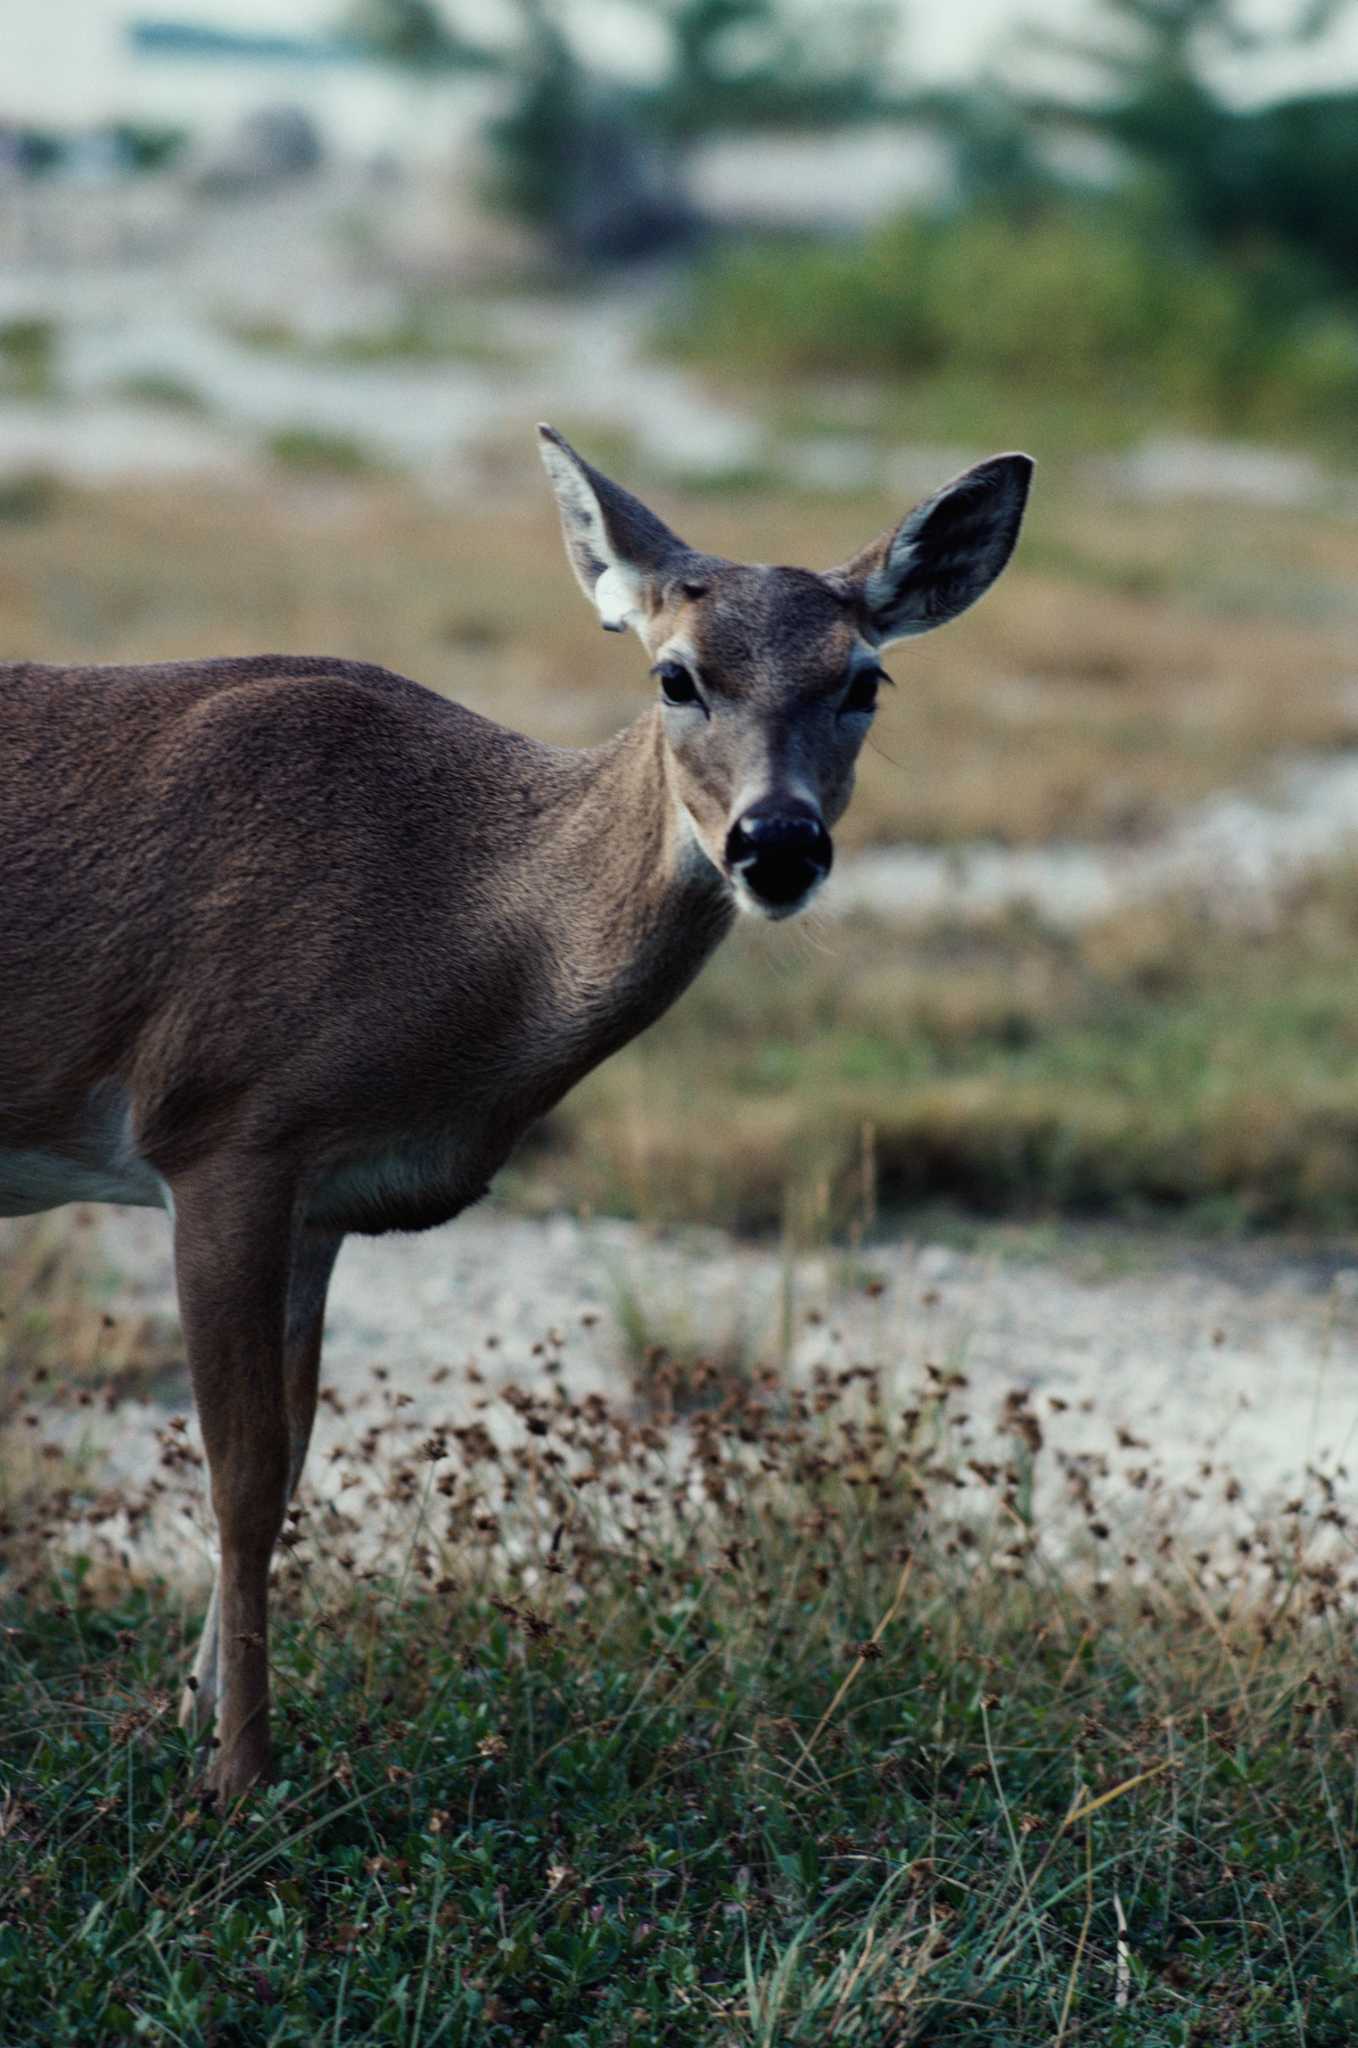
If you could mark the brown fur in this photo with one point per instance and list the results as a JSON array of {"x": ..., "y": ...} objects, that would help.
[{"x": 313, "y": 946}]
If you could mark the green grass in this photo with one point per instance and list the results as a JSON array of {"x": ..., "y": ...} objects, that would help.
[
  {"x": 28, "y": 357},
  {"x": 316, "y": 451},
  {"x": 28, "y": 496},
  {"x": 757, "y": 1730},
  {"x": 1156, "y": 1064},
  {"x": 162, "y": 388},
  {"x": 429, "y": 330}
]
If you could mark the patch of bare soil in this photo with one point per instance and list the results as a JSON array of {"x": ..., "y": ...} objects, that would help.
[{"x": 1214, "y": 1370}]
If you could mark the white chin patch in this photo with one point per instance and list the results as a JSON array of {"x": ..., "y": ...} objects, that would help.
[{"x": 757, "y": 906}]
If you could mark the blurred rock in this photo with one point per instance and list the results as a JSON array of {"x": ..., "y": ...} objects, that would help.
[
  {"x": 1231, "y": 472},
  {"x": 13, "y": 160},
  {"x": 833, "y": 462},
  {"x": 269, "y": 147}
]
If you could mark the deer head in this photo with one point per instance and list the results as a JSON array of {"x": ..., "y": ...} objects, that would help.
[{"x": 768, "y": 677}]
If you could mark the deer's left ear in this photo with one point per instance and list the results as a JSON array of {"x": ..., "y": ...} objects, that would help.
[
  {"x": 619, "y": 550},
  {"x": 943, "y": 555}
]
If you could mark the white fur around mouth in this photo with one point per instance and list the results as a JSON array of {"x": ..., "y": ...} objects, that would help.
[{"x": 755, "y": 905}]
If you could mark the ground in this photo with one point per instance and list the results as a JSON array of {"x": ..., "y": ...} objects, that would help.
[{"x": 1240, "y": 1360}]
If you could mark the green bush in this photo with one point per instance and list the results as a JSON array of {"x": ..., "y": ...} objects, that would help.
[
  {"x": 1091, "y": 300},
  {"x": 315, "y": 450},
  {"x": 28, "y": 352}
]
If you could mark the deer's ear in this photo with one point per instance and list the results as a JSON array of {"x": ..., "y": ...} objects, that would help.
[
  {"x": 619, "y": 550},
  {"x": 943, "y": 555}
]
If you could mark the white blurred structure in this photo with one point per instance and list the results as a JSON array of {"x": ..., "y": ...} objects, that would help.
[{"x": 69, "y": 62}]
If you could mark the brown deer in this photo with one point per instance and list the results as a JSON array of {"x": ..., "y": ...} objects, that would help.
[{"x": 292, "y": 946}]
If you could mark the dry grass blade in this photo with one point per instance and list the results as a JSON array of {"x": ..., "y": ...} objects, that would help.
[
  {"x": 1027, "y": 1883},
  {"x": 1116, "y": 1791},
  {"x": 1081, "y": 1940},
  {"x": 854, "y": 1670}
]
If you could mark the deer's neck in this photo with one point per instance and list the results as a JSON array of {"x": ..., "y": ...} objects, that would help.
[{"x": 636, "y": 906}]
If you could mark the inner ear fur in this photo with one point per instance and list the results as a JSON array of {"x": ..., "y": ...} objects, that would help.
[
  {"x": 620, "y": 552},
  {"x": 943, "y": 556}
]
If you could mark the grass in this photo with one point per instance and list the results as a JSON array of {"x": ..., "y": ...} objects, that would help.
[
  {"x": 28, "y": 357},
  {"x": 316, "y": 451},
  {"x": 431, "y": 330},
  {"x": 162, "y": 388},
  {"x": 1153, "y": 1065},
  {"x": 821, "y": 1715}
]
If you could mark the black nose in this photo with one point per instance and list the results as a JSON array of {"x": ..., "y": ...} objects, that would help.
[{"x": 780, "y": 851}]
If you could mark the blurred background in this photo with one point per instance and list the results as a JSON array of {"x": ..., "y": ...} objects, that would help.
[{"x": 284, "y": 285}]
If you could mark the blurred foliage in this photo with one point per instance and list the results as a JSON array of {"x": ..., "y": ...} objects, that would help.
[
  {"x": 1283, "y": 175},
  {"x": 28, "y": 495},
  {"x": 1081, "y": 296},
  {"x": 596, "y": 162},
  {"x": 147, "y": 146},
  {"x": 415, "y": 33},
  {"x": 599, "y": 163},
  {"x": 740, "y": 64},
  {"x": 28, "y": 356},
  {"x": 573, "y": 157},
  {"x": 130, "y": 148},
  {"x": 318, "y": 451},
  {"x": 1208, "y": 271}
]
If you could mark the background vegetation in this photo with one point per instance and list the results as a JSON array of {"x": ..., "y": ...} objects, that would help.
[
  {"x": 1085, "y": 301},
  {"x": 1202, "y": 263}
]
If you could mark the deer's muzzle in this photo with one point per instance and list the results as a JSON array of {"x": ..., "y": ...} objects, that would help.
[{"x": 780, "y": 853}]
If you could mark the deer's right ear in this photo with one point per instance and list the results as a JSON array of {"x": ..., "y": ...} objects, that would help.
[{"x": 620, "y": 551}]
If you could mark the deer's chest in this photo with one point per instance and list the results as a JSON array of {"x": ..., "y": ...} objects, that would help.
[
  {"x": 414, "y": 1184},
  {"x": 419, "y": 1178}
]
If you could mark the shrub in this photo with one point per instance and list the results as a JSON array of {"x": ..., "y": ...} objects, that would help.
[
  {"x": 1093, "y": 299},
  {"x": 314, "y": 450}
]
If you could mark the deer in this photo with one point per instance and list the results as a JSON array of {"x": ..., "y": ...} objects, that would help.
[{"x": 293, "y": 947}]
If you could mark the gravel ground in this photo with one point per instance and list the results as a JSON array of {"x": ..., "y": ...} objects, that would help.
[
  {"x": 1233, "y": 857},
  {"x": 1202, "y": 1363}
]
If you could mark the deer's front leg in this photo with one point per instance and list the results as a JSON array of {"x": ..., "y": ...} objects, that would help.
[
  {"x": 308, "y": 1284},
  {"x": 234, "y": 1235}
]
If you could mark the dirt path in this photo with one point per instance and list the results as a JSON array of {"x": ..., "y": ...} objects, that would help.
[
  {"x": 1244, "y": 1361},
  {"x": 1233, "y": 856}
]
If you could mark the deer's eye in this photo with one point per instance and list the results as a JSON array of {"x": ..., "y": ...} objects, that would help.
[
  {"x": 861, "y": 695},
  {"x": 676, "y": 684}
]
